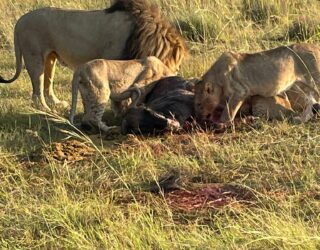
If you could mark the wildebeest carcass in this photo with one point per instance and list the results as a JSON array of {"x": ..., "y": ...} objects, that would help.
[{"x": 167, "y": 107}]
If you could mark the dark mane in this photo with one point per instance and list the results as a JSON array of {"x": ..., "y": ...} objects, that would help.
[
  {"x": 120, "y": 5},
  {"x": 152, "y": 34}
]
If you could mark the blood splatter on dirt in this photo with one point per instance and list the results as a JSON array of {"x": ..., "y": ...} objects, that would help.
[{"x": 207, "y": 196}]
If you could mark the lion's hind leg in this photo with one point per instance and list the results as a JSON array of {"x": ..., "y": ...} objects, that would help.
[
  {"x": 49, "y": 70},
  {"x": 271, "y": 108},
  {"x": 311, "y": 96},
  {"x": 308, "y": 111},
  {"x": 35, "y": 67}
]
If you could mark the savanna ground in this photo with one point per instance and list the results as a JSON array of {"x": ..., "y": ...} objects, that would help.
[{"x": 71, "y": 196}]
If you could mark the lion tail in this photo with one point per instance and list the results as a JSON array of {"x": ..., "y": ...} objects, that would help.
[
  {"x": 75, "y": 89},
  {"x": 18, "y": 55}
]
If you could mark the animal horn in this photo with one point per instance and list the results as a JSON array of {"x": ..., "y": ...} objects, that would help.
[
  {"x": 135, "y": 96},
  {"x": 134, "y": 93}
]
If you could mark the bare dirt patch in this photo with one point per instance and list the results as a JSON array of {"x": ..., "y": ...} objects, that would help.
[{"x": 71, "y": 151}]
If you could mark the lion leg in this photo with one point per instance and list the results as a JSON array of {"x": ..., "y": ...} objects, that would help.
[
  {"x": 119, "y": 107},
  {"x": 275, "y": 107},
  {"x": 49, "y": 69},
  {"x": 93, "y": 117},
  {"x": 231, "y": 108},
  {"x": 307, "y": 113},
  {"x": 35, "y": 68},
  {"x": 311, "y": 97}
]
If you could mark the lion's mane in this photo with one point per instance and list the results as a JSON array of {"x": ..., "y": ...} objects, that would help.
[{"x": 152, "y": 35}]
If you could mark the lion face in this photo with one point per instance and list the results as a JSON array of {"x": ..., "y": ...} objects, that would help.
[{"x": 207, "y": 100}]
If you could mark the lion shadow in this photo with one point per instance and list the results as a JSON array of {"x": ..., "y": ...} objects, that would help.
[{"x": 28, "y": 132}]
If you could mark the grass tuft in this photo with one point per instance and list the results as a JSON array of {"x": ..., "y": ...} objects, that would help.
[
  {"x": 304, "y": 29},
  {"x": 101, "y": 201},
  {"x": 261, "y": 11}
]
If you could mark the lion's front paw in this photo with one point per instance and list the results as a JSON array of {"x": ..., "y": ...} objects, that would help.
[
  {"x": 221, "y": 126},
  {"x": 112, "y": 133},
  {"x": 39, "y": 103},
  {"x": 250, "y": 119},
  {"x": 297, "y": 120},
  {"x": 63, "y": 105}
]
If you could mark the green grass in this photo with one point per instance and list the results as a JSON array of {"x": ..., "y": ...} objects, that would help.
[{"x": 101, "y": 203}]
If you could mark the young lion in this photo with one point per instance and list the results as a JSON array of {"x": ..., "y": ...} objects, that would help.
[
  {"x": 100, "y": 79},
  {"x": 234, "y": 77}
]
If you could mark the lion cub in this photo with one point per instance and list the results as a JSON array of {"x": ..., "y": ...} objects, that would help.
[
  {"x": 101, "y": 79},
  {"x": 234, "y": 77}
]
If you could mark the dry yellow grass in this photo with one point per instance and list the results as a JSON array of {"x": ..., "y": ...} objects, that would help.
[{"x": 96, "y": 202}]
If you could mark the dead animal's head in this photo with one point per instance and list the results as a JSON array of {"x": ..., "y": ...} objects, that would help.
[{"x": 144, "y": 120}]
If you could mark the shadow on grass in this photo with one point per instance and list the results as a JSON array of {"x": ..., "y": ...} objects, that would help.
[{"x": 27, "y": 132}]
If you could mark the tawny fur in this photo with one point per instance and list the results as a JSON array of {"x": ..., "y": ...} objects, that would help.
[
  {"x": 126, "y": 30},
  {"x": 271, "y": 108},
  {"x": 235, "y": 77},
  {"x": 100, "y": 79}
]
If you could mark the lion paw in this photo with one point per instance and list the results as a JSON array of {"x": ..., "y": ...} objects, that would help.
[
  {"x": 250, "y": 119},
  {"x": 112, "y": 133},
  {"x": 220, "y": 127},
  {"x": 57, "y": 104},
  {"x": 297, "y": 120},
  {"x": 37, "y": 103},
  {"x": 63, "y": 105}
]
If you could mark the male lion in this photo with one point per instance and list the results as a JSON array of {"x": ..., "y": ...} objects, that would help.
[
  {"x": 128, "y": 29},
  {"x": 234, "y": 77},
  {"x": 100, "y": 79}
]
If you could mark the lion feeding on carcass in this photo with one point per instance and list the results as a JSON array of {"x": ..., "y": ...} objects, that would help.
[
  {"x": 128, "y": 29},
  {"x": 235, "y": 77}
]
